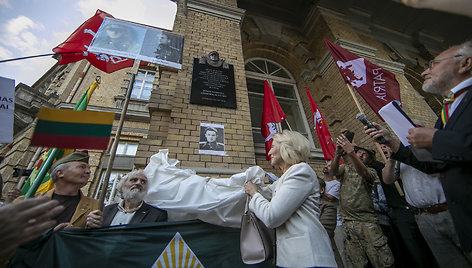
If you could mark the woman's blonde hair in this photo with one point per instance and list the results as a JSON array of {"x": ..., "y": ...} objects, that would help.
[{"x": 294, "y": 147}]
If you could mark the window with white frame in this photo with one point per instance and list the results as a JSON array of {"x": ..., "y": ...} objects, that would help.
[
  {"x": 125, "y": 148},
  {"x": 285, "y": 90},
  {"x": 143, "y": 85}
]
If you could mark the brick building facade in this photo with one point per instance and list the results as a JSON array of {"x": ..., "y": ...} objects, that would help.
[{"x": 282, "y": 42}]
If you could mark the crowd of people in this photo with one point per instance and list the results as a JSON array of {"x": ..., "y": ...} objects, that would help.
[
  {"x": 424, "y": 221},
  {"x": 430, "y": 224}
]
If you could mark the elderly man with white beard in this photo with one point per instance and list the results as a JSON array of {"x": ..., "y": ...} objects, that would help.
[{"x": 132, "y": 209}]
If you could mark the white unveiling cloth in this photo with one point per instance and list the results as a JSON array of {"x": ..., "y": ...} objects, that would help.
[{"x": 186, "y": 196}]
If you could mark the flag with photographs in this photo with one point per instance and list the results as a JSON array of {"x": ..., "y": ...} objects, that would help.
[{"x": 75, "y": 47}]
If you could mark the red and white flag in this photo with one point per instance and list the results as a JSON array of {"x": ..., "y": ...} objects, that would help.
[
  {"x": 75, "y": 47},
  {"x": 376, "y": 85},
  {"x": 327, "y": 144},
  {"x": 272, "y": 114}
]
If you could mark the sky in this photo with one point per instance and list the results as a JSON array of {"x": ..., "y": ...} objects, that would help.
[{"x": 34, "y": 27}]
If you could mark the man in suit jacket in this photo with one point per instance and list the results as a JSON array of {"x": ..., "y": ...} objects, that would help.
[
  {"x": 69, "y": 174},
  {"x": 450, "y": 141},
  {"x": 132, "y": 209}
]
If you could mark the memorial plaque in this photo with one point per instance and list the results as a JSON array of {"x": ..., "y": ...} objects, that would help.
[{"x": 213, "y": 86}]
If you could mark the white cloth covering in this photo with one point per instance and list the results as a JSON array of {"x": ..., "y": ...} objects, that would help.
[{"x": 186, "y": 196}]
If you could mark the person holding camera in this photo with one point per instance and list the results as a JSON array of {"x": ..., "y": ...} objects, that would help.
[{"x": 364, "y": 240}]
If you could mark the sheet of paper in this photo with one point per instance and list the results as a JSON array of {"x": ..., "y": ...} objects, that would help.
[
  {"x": 397, "y": 121},
  {"x": 400, "y": 124}
]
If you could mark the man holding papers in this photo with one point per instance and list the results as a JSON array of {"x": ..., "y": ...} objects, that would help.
[{"x": 450, "y": 141}]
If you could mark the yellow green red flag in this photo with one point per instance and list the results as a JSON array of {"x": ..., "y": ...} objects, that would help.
[{"x": 72, "y": 129}]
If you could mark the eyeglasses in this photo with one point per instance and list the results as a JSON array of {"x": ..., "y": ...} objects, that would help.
[{"x": 432, "y": 62}]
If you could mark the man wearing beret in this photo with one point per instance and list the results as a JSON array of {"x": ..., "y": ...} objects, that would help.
[
  {"x": 70, "y": 174},
  {"x": 211, "y": 135}
]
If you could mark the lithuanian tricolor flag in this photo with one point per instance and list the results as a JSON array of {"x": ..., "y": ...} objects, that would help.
[{"x": 72, "y": 129}]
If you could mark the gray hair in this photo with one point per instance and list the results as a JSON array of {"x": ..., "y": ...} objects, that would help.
[
  {"x": 127, "y": 177},
  {"x": 62, "y": 166},
  {"x": 465, "y": 49},
  {"x": 294, "y": 147}
]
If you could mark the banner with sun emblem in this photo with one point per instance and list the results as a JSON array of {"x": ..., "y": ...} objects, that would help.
[
  {"x": 177, "y": 254},
  {"x": 137, "y": 245}
]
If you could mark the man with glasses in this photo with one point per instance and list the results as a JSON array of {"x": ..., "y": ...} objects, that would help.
[{"x": 449, "y": 75}]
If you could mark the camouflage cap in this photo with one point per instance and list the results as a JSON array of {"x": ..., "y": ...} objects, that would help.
[{"x": 73, "y": 157}]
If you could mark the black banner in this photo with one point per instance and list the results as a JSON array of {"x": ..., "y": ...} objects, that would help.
[{"x": 173, "y": 244}]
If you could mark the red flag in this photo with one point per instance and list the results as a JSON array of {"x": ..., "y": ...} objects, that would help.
[
  {"x": 75, "y": 47},
  {"x": 271, "y": 114},
  {"x": 327, "y": 144},
  {"x": 376, "y": 85}
]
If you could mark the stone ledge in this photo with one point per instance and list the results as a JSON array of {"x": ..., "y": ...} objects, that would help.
[{"x": 216, "y": 9}]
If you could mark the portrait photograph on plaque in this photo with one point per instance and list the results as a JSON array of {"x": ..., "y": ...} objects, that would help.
[
  {"x": 137, "y": 41},
  {"x": 212, "y": 139},
  {"x": 213, "y": 82}
]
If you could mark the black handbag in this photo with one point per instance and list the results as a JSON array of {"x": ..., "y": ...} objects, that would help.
[{"x": 256, "y": 239}]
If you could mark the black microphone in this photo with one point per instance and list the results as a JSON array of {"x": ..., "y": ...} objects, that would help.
[{"x": 361, "y": 117}]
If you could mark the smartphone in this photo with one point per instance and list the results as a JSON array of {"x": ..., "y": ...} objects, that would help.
[{"x": 349, "y": 135}]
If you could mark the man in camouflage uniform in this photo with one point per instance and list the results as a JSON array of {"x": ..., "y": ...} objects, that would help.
[{"x": 364, "y": 240}]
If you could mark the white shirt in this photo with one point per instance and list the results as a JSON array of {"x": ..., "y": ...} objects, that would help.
[
  {"x": 421, "y": 190},
  {"x": 124, "y": 216},
  {"x": 457, "y": 101},
  {"x": 332, "y": 188}
]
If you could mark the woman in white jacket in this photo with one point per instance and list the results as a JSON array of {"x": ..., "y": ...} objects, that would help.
[{"x": 291, "y": 205}]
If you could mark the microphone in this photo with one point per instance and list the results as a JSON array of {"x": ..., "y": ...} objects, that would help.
[{"x": 361, "y": 117}]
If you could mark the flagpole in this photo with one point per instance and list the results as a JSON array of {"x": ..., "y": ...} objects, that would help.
[
  {"x": 103, "y": 190},
  {"x": 351, "y": 90},
  {"x": 22, "y": 180},
  {"x": 286, "y": 121},
  {"x": 27, "y": 57},
  {"x": 44, "y": 168},
  {"x": 41, "y": 173}
]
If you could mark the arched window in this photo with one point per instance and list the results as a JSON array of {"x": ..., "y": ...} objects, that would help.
[{"x": 285, "y": 90}]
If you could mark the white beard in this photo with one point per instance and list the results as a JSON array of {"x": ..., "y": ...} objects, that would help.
[
  {"x": 133, "y": 196},
  {"x": 439, "y": 84}
]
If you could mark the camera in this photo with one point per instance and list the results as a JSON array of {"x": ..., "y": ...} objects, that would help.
[{"x": 349, "y": 135}]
